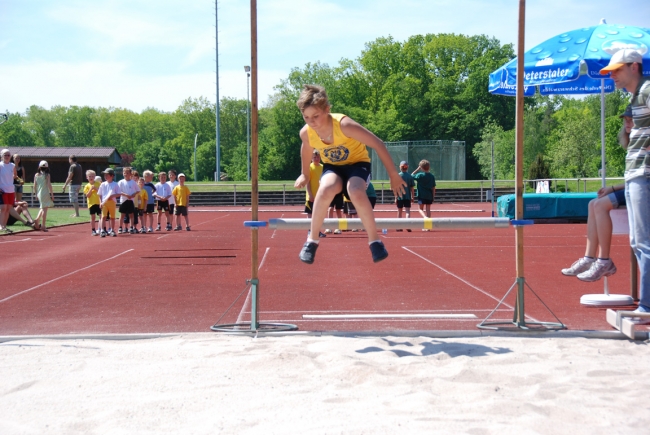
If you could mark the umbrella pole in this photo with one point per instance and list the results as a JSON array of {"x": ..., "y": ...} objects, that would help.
[{"x": 603, "y": 163}]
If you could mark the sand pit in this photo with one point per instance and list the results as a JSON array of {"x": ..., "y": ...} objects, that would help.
[{"x": 211, "y": 383}]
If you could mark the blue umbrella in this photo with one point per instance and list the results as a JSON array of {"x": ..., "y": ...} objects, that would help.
[{"x": 570, "y": 63}]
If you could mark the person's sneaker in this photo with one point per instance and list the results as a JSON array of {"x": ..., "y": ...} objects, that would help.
[
  {"x": 378, "y": 251},
  {"x": 597, "y": 270},
  {"x": 177, "y": 229},
  {"x": 120, "y": 230},
  {"x": 158, "y": 228},
  {"x": 150, "y": 230},
  {"x": 112, "y": 233},
  {"x": 169, "y": 228},
  {"x": 321, "y": 235},
  {"x": 328, "y": 231},
  {"x": 337, "y": 231},
  {"x": 308, "y": 252},
  {"x": 94, "y": 233},
  {"x": 103, "y": 234},
  {"x": 132, "y": 231},
  {"x": 187, "y": 229},
  {"x": 578, "y": 266}
]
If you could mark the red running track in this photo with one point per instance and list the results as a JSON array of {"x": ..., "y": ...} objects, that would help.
[{"x": 66, "y": 281}]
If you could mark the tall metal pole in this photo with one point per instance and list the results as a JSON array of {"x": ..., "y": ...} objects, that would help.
[
  {"x": 248, "y": 126},
  {"x": 195, "y": 138},
  {"x": 254, "y": 164},
  {"x": 217, "y": 173}
]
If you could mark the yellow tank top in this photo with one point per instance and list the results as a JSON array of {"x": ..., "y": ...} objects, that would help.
[{"x": 343, "y": 150}]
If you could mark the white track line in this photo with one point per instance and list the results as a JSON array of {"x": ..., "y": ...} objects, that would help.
[
  {"x": 247, "y": 302},
  {"x": 220, "y": 217},
  {"x": 464, "y": 281},
  {"x": 63, "y": 276},
  {"x": 388, "y": 316}
]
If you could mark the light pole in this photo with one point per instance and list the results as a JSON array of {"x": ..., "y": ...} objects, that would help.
[
  {"x": 195, "y": 138},
  {"x": 247, "y": 69}
]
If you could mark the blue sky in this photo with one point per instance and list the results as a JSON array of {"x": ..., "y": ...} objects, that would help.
[{"x": 156, "y": 53}]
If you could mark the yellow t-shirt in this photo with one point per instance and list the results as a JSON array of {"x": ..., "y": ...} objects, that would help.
[
  {"x": 314, "y": 179},
  {"x": 343, "y": 150},
  {"x": 143, "y": 198},
  {"x": 93, "y": 199},
  {"x": 181, "y": 195}
]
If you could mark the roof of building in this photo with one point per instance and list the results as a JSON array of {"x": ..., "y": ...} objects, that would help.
[{"x": 110, "y": 154}]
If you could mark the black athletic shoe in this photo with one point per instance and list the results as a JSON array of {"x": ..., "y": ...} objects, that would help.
[
  {"x": 378, "y": 251},
  {"x": 308, "y": 252}
]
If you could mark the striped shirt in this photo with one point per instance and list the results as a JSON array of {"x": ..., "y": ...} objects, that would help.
[{"x": 637, "y": 161}]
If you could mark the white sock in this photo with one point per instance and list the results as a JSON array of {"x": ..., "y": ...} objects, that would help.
[
  {"x": 310, "y": 240},
  {"x": 604, "y": 260}
]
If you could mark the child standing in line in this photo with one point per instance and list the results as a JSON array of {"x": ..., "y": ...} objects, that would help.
[
  {"x": 90, "y": 191},
  {"x": 426, "y": 188},
  {"x": 108, "y": 192},
  {"x": 181, "y": 194},
  {"x": 315, "y": 171},
  {"x": 150, "y": 189},
  {"x": 172, "y": 183},
  {"x": 141, "y": 201},
  {"x": 44, "y": 192},
  {"x": 163, "y": 192},
  {"x": 128, "y": 190},
  {"x": 404, "y": 201}
]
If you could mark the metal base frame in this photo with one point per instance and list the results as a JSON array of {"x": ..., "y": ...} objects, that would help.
[
  {"x": 519, "y": 318},
  {"x": 254, "y": 325}
]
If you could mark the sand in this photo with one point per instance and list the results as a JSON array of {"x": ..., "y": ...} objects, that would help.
[{"x": 302, "y": 384}]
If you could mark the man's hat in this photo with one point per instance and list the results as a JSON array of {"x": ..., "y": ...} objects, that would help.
[
  {"x": 181, "y": 175},
  {"x": 628, "y": 112},
  {"x": 620, "y": 58},
  {"x": 43, "y": 164},
  {"x": 403, "y": 163},
  {"x": 109, "y": 171}
]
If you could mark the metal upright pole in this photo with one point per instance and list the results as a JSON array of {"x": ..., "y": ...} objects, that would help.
[
  {"x": 217, "y": 173},
  {"x": 195, "y": 138},
  {"x": 492, "y": 175},
  {"x": 519, "y": 315},
  {"x": 254, "y": 164}
]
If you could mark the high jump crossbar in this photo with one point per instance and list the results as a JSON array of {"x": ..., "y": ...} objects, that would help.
[{"x": 392, "y": 223}]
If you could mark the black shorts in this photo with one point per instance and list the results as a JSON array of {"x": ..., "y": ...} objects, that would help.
[
  {"x": 180, "y": 210},
  {"x": 171, "y": 208},
  {"x": 163, "y": 205},
  {"x": 337, "y": 202},
  {"x": 425, "y": 201},
  {"x": 403, "y": 203},
  {"x": 95, "y": 209},
  {"x": 150, "y": 208},
  {"x": 127, "y": 207},
  {"x": 309, "y": 206},
  {"x": 345, "y": 172},
  {"x": 139, "y": 212},
  {"x": 373, "y": 201}
]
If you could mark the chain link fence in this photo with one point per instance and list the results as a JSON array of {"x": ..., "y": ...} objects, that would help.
[{"x": 447, "y": 158}]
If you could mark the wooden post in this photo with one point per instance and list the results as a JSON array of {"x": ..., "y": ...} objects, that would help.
[{"x": 519, "y": 163}]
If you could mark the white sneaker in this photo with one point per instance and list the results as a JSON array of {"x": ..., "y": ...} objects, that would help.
[
  {"x": 597, "y": 270},
  {"x": 337, "y": 231},
  {"x": 579, "y": 266},
  {"x": 328, "y": 231}
]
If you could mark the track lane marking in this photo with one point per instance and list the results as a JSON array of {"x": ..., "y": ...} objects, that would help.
[
  {"x": 464, "y": 281},
  {"x": 64, "y": 276}
]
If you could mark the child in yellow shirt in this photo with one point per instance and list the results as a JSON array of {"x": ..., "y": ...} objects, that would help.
[
  {"x": 90, "y": 190},
  {"x": 181, "y": 195}
]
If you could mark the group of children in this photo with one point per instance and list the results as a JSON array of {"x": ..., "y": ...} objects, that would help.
[{"x": 138, "y": 197}]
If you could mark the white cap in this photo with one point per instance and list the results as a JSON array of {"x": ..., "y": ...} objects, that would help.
[
  {"x": 4, "y": 151},
  {"x": 181, "y": 175},
  {"x": 620, "y": 58},
  {"x": 43, "y": 164}
]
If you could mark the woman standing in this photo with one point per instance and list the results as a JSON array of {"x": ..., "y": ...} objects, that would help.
[
  {"x": 7, "y": 177},
  {"x": 18, "y": 182},
  {"x": 44, "y": 192}
]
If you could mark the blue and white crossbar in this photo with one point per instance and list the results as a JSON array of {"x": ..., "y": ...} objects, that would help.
[{"x": 394, "y": 223}]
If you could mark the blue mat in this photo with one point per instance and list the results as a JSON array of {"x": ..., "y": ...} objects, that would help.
[{"x": 548, "y": 205}]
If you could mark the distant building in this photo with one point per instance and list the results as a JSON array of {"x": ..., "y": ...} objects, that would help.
[{"x": 96, "y": 159}]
